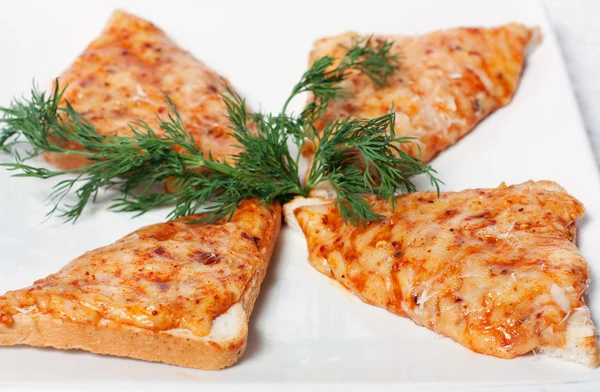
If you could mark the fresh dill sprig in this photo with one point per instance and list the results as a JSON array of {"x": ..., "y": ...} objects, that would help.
[
  {"x": 133, "y": 164},
  {"x": 357, "y": 156},
  {"x": 322, "y": 79}
]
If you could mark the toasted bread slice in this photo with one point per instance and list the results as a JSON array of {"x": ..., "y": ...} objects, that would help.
[
  {"x": 447, "y": 82},
  {"x": 497, "y": 270},
  {"x": 123, "y": 76},
  {"x": 173, "y": 292}
]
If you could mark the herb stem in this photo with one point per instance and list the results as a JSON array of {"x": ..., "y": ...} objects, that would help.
[{"x": 265, "y": 168}]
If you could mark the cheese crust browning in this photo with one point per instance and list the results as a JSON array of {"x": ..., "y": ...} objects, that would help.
[
  {"x": 448, "y": 81},
  {"x": 123, "y": 76},
  {"x": 170, "y": 278},
  {"x": 496, "y": 270}
]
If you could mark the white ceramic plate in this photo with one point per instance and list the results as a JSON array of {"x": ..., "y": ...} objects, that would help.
[{"x": 306, "y": 332}]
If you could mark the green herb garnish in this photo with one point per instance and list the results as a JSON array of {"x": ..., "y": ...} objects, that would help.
[{"x": 357, "y": 156}]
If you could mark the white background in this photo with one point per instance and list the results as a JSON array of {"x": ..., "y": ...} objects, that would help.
[
  {"x": 305, "y": 328},
  {"x": 577, "y": 27}
]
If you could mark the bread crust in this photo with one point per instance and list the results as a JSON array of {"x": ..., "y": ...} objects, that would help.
[
  {"x": 45, "y": 331},
  {"x": 42, "y": 330},
  {"x": 266, "y": 248},
  {"x": 438, "y": 259}
]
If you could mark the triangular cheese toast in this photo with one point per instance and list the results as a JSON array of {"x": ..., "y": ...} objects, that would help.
[
  {"x": 123, "y": 76},
  {"x": 497, "y": 270},
  {"x": 447, "y": 82},
  {"x": 172, "y": 292}
]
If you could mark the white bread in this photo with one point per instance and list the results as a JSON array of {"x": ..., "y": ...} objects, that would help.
[
  {"x": 297, "y": 202},
  {"x": 222, "y": 347},
  {"x": 580, "y": 343}
]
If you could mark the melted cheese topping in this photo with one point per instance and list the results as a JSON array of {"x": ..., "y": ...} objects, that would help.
[
  {"x": 448, "y": 81},
  {"x": 161, "y": 277},
  {"x": 123, "y": 76},
  {"x": 494, "y": 269}
]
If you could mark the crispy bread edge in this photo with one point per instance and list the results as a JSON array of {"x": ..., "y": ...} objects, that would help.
[
  {"x": 34, "y": 329},
  {"x": 46, "y": 331}
]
